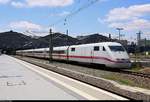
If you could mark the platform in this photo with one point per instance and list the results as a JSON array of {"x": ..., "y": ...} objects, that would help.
[{"x": 22, "y": 81}]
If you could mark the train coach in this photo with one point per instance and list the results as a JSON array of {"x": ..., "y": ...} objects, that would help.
[{"x": 110, "y": 54}]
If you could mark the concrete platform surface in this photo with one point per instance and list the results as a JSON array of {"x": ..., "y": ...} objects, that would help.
[{"x": 20, "y": 80}]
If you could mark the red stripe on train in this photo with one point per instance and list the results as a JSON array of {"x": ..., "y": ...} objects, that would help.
[{"x": 89, "y": 57}]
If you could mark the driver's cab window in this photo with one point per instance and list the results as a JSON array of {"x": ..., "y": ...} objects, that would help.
[
  {"x": 104, "y": 48},
  {"x": 96, "y": 48}
]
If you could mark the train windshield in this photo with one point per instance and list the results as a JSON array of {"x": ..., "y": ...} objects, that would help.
[{"x": 116, "y": 48}]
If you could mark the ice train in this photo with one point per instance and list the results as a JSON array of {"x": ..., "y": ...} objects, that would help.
[{"x": 110, "y": 54}]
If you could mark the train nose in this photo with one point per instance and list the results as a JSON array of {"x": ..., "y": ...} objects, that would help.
[{"x": 122, "y": 63}]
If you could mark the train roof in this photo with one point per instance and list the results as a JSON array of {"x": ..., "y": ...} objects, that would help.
[
  {"x": 65, "y": 47},
  {"x": 100, "y": 44},
  {"x": 40, "y": 49}
]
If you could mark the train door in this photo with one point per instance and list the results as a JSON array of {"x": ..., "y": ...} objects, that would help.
[
  {"x": 96, "y": 53},
  {"x": 92, "y": 55},
  {"x": 44, "y": 53},
  {"x": 87, "y": 53},
  {"x": 67, "y": 53}
]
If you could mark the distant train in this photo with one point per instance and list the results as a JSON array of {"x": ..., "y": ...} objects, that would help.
[{"x": 110, "y": 54}]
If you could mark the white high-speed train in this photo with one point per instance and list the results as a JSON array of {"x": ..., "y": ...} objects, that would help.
[{"x": 110, "y": 54}]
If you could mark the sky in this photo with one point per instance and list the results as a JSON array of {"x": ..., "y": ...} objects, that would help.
[{"x": 36, "y": 17}]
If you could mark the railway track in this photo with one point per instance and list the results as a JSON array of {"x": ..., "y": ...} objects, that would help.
[
  {"x": 122, "y": 71},
  {"x": 135, "y": 73}
]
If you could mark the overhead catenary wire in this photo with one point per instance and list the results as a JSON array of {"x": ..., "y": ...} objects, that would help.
[
  {"x": 33, "y": 33},
  {"x": 75, "y": 12},
  {"x": 91, "y": 2}
]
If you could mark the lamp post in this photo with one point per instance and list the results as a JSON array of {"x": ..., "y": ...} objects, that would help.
[
  {"x": 67, "y": 40},
  {"x": 138, "y": 64},
  {"x": 139, "y": 40},
  {"x": 119, "y": 29},
  {"x": 145, "y": 46},
  {"x": 50, "y": 47}
]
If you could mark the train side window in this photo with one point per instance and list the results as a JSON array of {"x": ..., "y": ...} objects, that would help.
[
  {"x": 104, "y": 48},
  {"x": 73, "y": 49},
  {"x": 96, "y": 48},
  {"x": 59, "y": 52}
]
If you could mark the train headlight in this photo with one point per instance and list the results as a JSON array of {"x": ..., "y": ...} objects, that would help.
[
  {"x": 123, "y": 60},
  {"x": 119, "y": 59}
]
